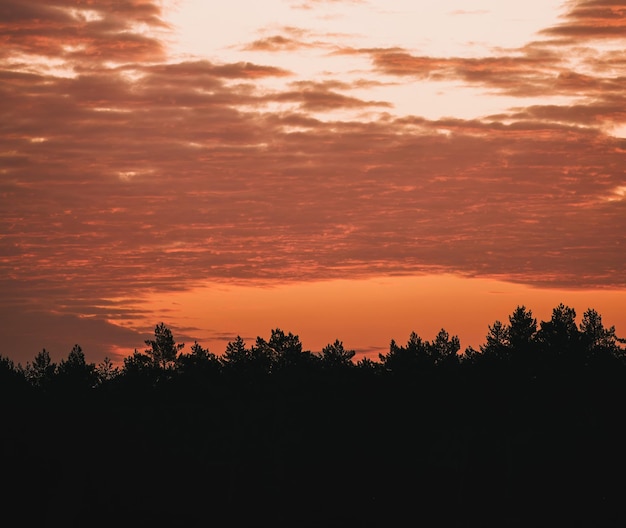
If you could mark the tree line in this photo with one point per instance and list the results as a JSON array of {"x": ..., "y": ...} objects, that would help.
[
  {"x": 521, "y": 343},
  {"x": 526, "y": 430}
]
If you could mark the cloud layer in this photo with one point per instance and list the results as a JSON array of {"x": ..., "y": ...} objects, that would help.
[{"x": 123, "y": 171}]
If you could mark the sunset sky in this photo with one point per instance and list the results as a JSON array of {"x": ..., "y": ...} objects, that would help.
[{"x": 351, "y": 169}]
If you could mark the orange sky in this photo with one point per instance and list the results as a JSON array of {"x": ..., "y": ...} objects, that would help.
[{"x": 339, "y": 169}]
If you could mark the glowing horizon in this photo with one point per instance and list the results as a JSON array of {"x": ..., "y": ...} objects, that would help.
[{"x": 391, "y": 307}]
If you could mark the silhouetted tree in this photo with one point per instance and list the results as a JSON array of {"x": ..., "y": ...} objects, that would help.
[
  {"x": 407, "y": 359},
  {"x": 252, "y": 362},
  {"x": 282, "y": 351},
  {"x": 236, "y": 352},
  {"x": 470, "y": 356},
  {"x": 336, "y": 356},
  {"x": 285, "y": 349},
  {"x": 40, "y": 373},
  {"x": 521, "y": 330},
  {"x": 496, "y": 342},
  {"x": 106, "y": 371},
  {"x": 418, "y": 355},
  {"x": 163, "y": 349},
  {"x": 597, "y": 341},
  {"x": 139, "y": 367},
  {"x": 418, "y": 351},
  {"x": 366, "y": 364},
  {"x": 11, "y": 377},
  {"x": 198, "y": 362},
  {"x": 6, "y": 364},
  {"x": 594, "y": 334},
  {"x": 75, "y": 373},
  {"x": 444, "y": 349},
  {"x": 559, "y": 336}
]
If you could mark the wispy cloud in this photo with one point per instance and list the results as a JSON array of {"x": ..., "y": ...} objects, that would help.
[
  {"x": 311, "y": 4},
  {"x": 469, "y": 12},
  {"x": 276, "y": 43}
]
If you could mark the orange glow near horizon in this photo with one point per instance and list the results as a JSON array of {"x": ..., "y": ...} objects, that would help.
[{"x": 365, "y": 314}]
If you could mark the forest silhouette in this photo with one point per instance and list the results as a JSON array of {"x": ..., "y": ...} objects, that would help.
[{"x": 528, "y": 430}]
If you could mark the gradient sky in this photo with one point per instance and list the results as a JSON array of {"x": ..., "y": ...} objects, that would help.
[{"x": 338, "y": 169}]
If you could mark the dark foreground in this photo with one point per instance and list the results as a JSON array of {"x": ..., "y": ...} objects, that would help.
[
  {"x": 445, "y": 451},
  {"x": 528, "y": 431}
]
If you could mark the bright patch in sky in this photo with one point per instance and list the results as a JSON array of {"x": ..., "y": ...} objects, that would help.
[{"x": 225, "y": 31}]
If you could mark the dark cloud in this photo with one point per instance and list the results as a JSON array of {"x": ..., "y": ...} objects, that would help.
[
  {"x": 321, "y": 96},
  {"x": 75, "y": 31},
  {"x": 525, "y": 73},
  {"x": 613, "y": 110},
  {"x": 28, "y": 332}
]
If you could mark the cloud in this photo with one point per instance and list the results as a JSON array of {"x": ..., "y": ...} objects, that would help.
[
  {"x": 275, "y": 43},
  {"x": 312, "y": 4},
  {"x": 106, "y": 31},
  {"x": 550, "y": 67},
  {"x": 28, "y": 332},
  {"x": 592, "y": 19},
  {"x": 524, "y": 73},
  {"x": 521, "y": 74},
  {"x": 592, "y": 114},
  {"x": 292, "y": 38},
  {"x": 134, "y": 174},
  {"x": 319, "y": 96}
]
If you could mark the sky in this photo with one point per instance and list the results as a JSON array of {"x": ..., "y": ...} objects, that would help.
[{"x": 339, "y": 169}]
